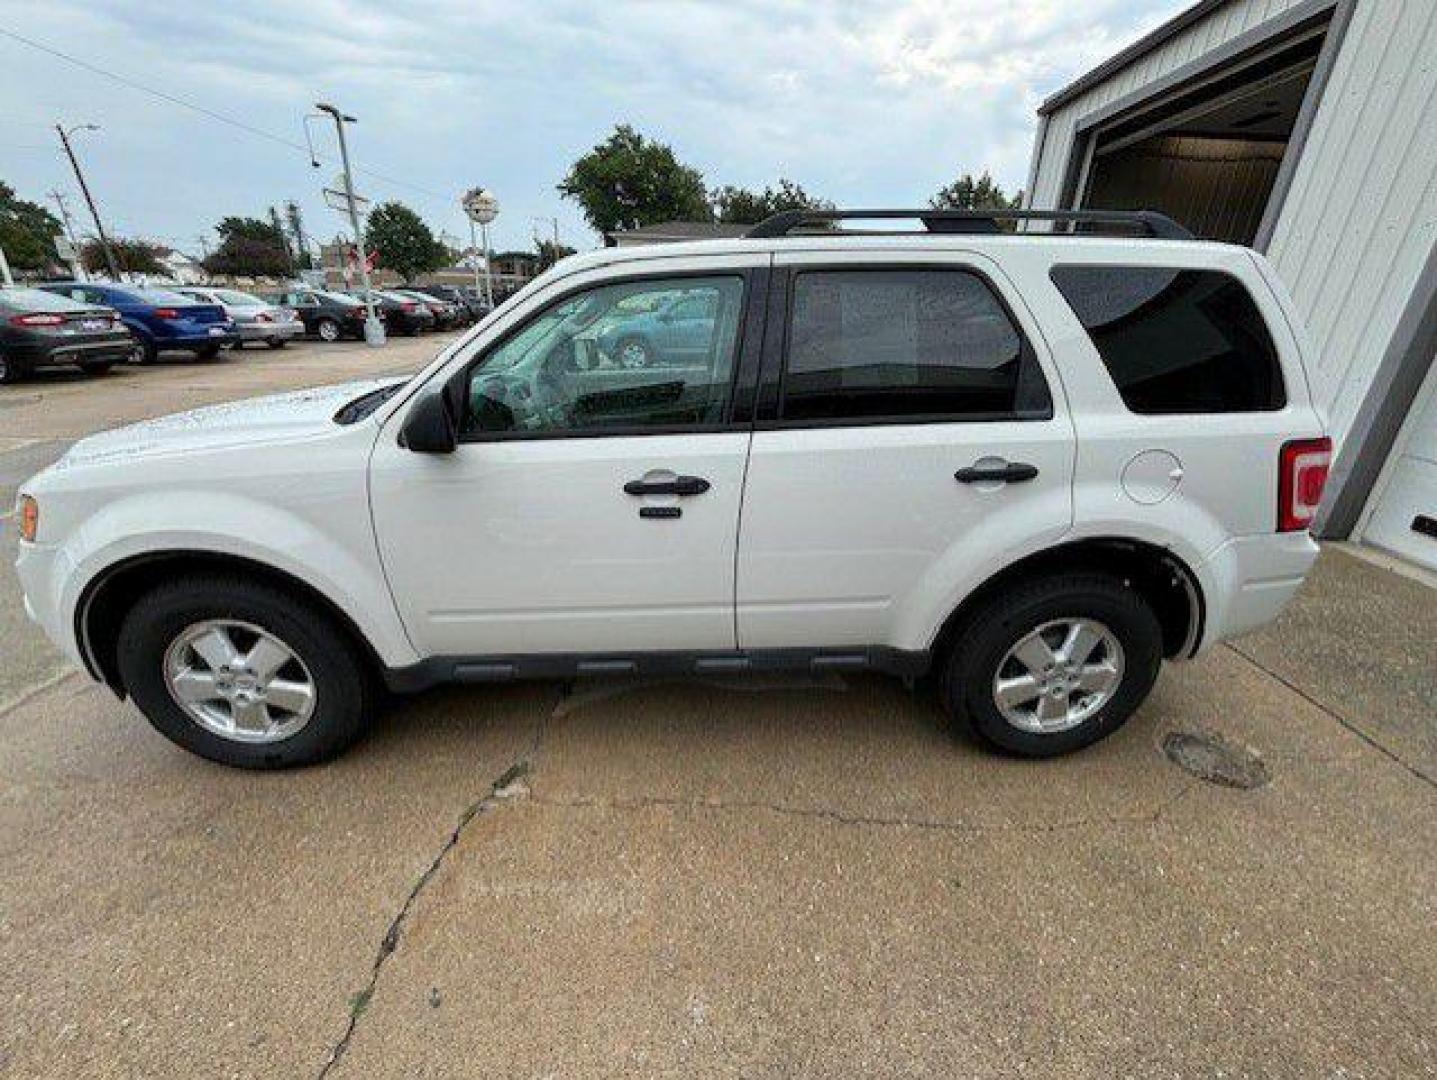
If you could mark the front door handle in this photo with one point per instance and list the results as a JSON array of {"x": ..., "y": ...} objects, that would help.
[
  {"x": 1014, "y": 472},
  {"x": 679, "y": 485}
]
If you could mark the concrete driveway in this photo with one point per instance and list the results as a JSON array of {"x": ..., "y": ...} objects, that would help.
[{"x": 757, "y": 877}]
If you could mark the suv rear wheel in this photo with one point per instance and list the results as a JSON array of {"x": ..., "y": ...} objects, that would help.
[
  {"x": 1054, "y": 665},
  {"x": 243, "y": 674}
]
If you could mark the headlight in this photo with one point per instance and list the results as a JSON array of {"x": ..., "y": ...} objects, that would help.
[{"x": 29, "y": 512}]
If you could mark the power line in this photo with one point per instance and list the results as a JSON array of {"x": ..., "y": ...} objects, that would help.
[{"x": 204, "y": 111}]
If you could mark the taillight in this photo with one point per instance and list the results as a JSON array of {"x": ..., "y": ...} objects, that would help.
[
  {"x": 1302, "y": 474},
  {"x": 37, "y": 320},
  {"x": 408, "y": 307},
  {"x": 166, "y": 313}
]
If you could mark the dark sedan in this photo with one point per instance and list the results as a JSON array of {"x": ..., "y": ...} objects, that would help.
[
  {"x": 329, "y": 316},
  {"x": 402, "y": 314},
  {"x": 39, "y": 329},
  {"x": 447, "y": 315}
]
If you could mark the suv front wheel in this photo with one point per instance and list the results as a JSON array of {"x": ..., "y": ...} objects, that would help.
[
  {"x": 1053, "y": 665},
  {"x": 243, "y": 674}
]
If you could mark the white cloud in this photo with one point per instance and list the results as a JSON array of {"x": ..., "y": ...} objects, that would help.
[{"x": 861, "y": 101}]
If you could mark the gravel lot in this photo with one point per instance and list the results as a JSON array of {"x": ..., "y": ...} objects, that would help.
[{"x": 753, "y": 877}]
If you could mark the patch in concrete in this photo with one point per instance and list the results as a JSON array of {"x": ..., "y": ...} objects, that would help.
[{"x": 1208, "y": 756}]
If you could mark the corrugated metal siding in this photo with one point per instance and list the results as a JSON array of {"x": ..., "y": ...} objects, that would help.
[
  {"x": 1361, "y": 216},
  {"x": 1221, "y": 25}
]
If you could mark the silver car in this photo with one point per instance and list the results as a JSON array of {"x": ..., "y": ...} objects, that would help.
[{"x": 255, "y": 319}]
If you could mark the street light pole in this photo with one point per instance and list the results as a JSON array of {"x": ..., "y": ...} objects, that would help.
[
  {"x": 373, "y": 328},
  {"x": 110, "y": 262}
]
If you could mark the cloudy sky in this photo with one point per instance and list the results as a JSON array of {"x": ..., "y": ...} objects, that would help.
[{"x": 875, "y": 102}]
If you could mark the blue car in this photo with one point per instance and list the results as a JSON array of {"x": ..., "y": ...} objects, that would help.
[
  {"x": 158, "y": 319},
  {"x": 679, "y": 331}
]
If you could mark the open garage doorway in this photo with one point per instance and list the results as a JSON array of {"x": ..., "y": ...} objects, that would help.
[{"x": 1209, "y": 152}]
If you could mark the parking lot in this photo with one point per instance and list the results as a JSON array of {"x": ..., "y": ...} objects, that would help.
[{"x": 769, "y": 876}]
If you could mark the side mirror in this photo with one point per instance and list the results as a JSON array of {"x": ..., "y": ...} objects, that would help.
[{"x": 429, "y": 428}]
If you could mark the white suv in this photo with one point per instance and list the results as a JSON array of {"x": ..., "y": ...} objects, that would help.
[{"x": 1031, "y": 464}]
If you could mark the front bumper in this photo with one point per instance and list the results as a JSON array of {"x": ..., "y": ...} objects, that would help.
[{"x": 41, "y": 569}]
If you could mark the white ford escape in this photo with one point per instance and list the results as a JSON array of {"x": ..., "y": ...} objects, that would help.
[{"x": 1032, "y": 464}]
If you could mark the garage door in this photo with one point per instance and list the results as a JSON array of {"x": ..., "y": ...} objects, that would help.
[{"x": 1404, "y": 519}]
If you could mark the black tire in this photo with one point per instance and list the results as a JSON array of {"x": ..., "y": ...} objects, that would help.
[
  {"x": 641, "y": 352},
  {"x": 344, "y": 689},
  {"x": 328, "y": 330},
  {"x": 97, "y": 368},
  {"x": 144, "y": 352},
  {"x": 276, "y": 342},
  {"x": 982, "y": 645},
  {"x": 207, "y": 352},
  {"x": 11, "y": 370}
]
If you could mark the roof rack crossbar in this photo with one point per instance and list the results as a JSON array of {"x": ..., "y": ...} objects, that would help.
[{"x": 1157, "y": 226}]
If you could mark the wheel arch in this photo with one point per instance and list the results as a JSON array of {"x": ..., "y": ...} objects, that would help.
[
  {"x": 105, "y": 600},
  {"x": 1164, "y": 580}
]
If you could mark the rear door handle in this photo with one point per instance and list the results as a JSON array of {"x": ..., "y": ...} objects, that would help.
[
  {"x": 679, "y": 485},
  {"x": 1015, "y": 472}
]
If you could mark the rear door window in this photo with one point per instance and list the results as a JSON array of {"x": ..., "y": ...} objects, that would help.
[
  {"x": 1176, "y": 341},
  {"x": 906, "y": 345}
]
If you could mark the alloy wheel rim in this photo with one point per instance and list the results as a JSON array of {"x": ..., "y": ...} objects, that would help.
[
  {"x": 329, "y": 332},
  {"x": 1058, "y": 675},
  {"x": 239, "y": 681},
  {"x": 634, "y": 353}
]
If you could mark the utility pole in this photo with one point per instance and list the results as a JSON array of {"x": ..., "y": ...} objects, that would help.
[
  {"x": 373, "y": 328},
  {"x": 110, "y": 262},
  {"x": 77, "y": 265}
]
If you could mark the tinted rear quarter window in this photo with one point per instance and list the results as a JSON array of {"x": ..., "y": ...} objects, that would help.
[
  {"x": 906, "y": 344},
  {"x": 1176, "y": 341}
]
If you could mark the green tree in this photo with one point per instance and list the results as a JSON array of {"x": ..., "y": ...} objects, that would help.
[
  {"x": 403, "y": 242},
  {"x": 550, "y": 253},
  {"x": 628, "y": 181},
  {"x": 133, "y": 256},
  {"x": 249, "y": 247},
  {"x": 741, "y": 206},
  {"x": 965, "y": 193},
  {"x": 27, "y": 232}
]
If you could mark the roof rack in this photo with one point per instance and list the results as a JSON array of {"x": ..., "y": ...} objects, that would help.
[{"x": 1153, "y": 224}]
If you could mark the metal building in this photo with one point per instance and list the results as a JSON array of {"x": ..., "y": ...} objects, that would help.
[{"x": 1308, "y": 130}]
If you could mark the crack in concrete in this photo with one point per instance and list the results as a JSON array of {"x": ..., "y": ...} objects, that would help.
[
  {"x": 1327, "y": 710},
  {"x": 517, "y": 770},
  {"x": 844, "y": 818}
]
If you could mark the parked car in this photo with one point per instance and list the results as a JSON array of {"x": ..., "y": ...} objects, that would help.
[
  {"x": 39, "y": 329},
  {"x": 468, "y": 299},
  {"x": 255, "y": 319},
  {"x": 403, "y": 314},
  {"x": 159, "y": 319},
  {"x": 447, "y": 315},
  {"x": 676, "y": 330},
  {"x": 329, "y": 316},
  {"x": 1032, "y": 466}
]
